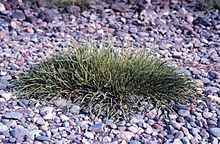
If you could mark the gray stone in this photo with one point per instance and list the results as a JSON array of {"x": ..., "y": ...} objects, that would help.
[
  {"x": 135, "y": 142},
  {"x": 185, "y": 140},
  {"x": 19, "y": 132},
  {"x": 183, "y": 113},
  {"x": 45, "y": 110},
  {"x": 148, "y": 129},
  {"x": 215, "y": 131},
  {"x": 194, "y": 131},
  {"x": 207, "y": 114},
  {"x": 176, "y": 125},
  {"x": 19, "y": 15},
  {"x": 42, "y": 138},
  {"x": 89, "y": 135},
  {"x": 107, "y": 139},
  {"x": 97, "y": 127},
  {"x": 13, "y": 115},
  {"x": 133, "y": 30},
  {"x": 75, "y": 109},
  {"x": 14, "y": 67},
  {"x": 217, "y": 27},
  {"x": 214, "y": 140},
  {"x": 3, "y": 127}
]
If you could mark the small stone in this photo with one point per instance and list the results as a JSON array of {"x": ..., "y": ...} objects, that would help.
[
  {"x": 194, "y": 131},
  {"x": 133, "y": 129},
  {"x": 98, "y": 127},
  {"x": 89, "y": 135},
  {"x": 3, "y": 127},
  {"x": 48, "y": 116},
  {"x": 30, "y": 30},
  {"x": 42, "y": 3},
  {"x": 152, "y": 114},
  {"x": 135, "y": 142},
  {"x": 126, "y": 135},
  {"x": 75, "y": 109},
  {"x": 19, "y": 15},
  {"x": 185, "y": 140},
  {"x": 64, "y": 118},
  {"x": 3, "y": 73},
  {"x": 217, "y": 27},
  {"x": 2, "y": 7},
  {"x": 13, "y": 115},
  {"x": 13, "y": 25},
  {"x": 215, "y": 131},
  {"x": 34, "y": 133},
  {"x": 40, "y": 121},
  {"x": 215, "y": 140},
  {"x": 14, "y": 67},
  {"x": 183, "y": 113},
  {"x": 107, "y": 139},
  {"x": 19, "y": 132},
  {"x": 207, "y": 114},
  {"x": 176, "y": 125},
  {"x": 31, "y": 19},
  {"x": 42, "y": 138},
  {"x": 190, "y": 19},
  {"x": 148, "y": 129},
  {"x": 133, "y": 30},
  {"x": 45, "y": 110},
  {"x": 5, "y": 95}
]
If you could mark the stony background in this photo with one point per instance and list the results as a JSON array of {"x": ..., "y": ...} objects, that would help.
[{"x": 182, "y": 34}]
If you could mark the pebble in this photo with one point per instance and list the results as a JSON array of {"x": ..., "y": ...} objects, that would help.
[
  {"x": 75, "y": 109},
  {"x": 13, "y": 115},
  {"x": 2, "y": 7},
  {"x": 19, "y": 132},
  {"x": 126, "y": 135},
  {"x": 89, "y": 135},
  {"x": 97, "y": 127},
  {"x": 207, "y": 114},
  {"x": 183, "y": 113},
  {"x": 3, "y": 127},
  {"x": 42, "y": 138},
  {"x": 215, "y": 131},
  {"x": 107, "y": 139},
  {"x": 135, "y": 142}
]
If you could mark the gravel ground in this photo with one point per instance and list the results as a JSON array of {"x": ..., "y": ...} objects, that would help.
[{"x": 187, "y": 37}]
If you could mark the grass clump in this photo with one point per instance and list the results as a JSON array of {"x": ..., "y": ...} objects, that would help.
[{"x": 104, "y": 81}]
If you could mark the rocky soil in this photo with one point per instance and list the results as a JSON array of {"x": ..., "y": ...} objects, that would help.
[{"x": 182, "y": 34}]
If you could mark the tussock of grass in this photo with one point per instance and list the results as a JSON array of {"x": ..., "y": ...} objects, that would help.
[{"x": 108, "y": 83}]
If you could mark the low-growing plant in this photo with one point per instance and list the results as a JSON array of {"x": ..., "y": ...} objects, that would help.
[{"x": 106, "y": 81}]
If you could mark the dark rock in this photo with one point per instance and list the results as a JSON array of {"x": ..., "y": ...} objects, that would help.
[
  {"x": 31, "y": 19},
  {"x": 120, "y": 7},
  {"x": 19, "y": 15},
  {"x": 202, "y": 20},
  {"x": 73, "y": 10},
  {"x": 48, "y": 15}
]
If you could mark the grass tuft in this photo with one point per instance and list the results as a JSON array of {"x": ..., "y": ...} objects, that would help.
[{"x": 104, "y": 81}]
